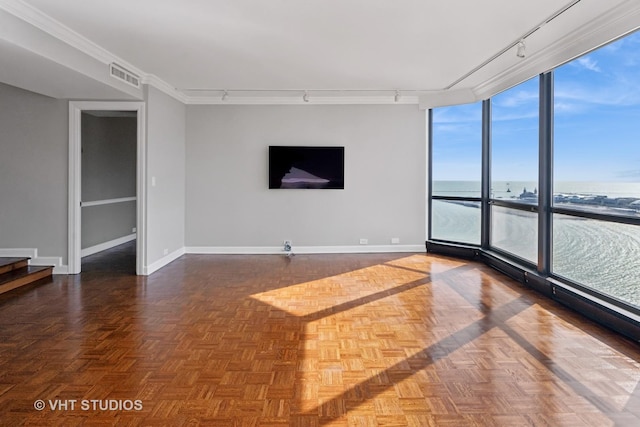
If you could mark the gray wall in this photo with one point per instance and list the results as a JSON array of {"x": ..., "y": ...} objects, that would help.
[
  {"x": 104, "y": 223},
  {"x": 166, "y": 162},
  {"x": 224, "y": 200},
  {"x": 108, "y": 172},
  {"x": 228, "y": 200},
  {"x": 33, "y": 172}
]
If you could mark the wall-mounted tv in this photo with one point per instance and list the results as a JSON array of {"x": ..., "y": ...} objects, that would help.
[{"x": 306, "y": 167}]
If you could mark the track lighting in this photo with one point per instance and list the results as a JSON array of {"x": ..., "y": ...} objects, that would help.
[
  {"x": 520, "y": 53},
  {"x": 305, "y": 97}
]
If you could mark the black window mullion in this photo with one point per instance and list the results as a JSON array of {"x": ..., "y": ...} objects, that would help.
[
  {"x": 545, "y": 175},
  {"x": 485, "y": 231},
  {"x": 430, "y": 172}
]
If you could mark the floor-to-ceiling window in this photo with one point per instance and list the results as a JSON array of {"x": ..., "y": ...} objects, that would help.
[
  {"x": 514, "y": 170},
  {"x": 596, "y": 237},
  {"x": 589, "y": 223},
  {"x": 456, "y": 173}
]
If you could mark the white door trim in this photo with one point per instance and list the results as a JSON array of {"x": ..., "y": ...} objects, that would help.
[{"x": 75, "y": 173}]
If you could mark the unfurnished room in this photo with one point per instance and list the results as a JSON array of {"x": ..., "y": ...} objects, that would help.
[{"x": 312, "y": 213}]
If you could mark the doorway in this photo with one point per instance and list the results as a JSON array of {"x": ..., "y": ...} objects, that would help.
[
  {"x": 108, "y": 191},
  {"x": 105, "y": 200}
]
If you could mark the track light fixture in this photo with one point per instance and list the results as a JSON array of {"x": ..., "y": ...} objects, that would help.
[
  {"x": 224, "y": 95},
  {"x": 305, "y": 97},
  {"x": 521, "y": 48}
]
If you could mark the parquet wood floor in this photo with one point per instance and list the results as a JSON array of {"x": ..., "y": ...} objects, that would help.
[{"x": 313, "y": 340}]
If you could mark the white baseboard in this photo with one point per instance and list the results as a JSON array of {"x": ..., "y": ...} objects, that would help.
[
  {"x": 35, "y": 260},
  {"x": 150, "y": 269},
  {"x": 62, "y": 269},
  {"x": 277, "y": 250},
  {"x": 59, "y": 268},
  {"x": 106, "y": 245},
  {"x": 233, "y": 250},
  {"x": 19, "y": 253},
  {"x": 56, "y": 262}
]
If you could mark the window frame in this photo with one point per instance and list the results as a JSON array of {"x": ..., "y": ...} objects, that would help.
[{"x": 432, "y": 197}]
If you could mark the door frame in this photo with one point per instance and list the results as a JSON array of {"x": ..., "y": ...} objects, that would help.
[{"x": 75, "y": 174}]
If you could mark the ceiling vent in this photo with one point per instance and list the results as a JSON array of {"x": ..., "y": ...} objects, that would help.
[{"x": 123, "y": 74}]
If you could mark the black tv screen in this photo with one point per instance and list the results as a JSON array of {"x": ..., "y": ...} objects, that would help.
[{"x": 306, "y": 167}]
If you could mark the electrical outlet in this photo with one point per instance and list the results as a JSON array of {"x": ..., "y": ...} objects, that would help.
[
  {"x": 133, "y": 230},
  {"x": 395, "y": 240},
  {"x": 364, "y": 241},
  {"x": 166, "y": 252}
]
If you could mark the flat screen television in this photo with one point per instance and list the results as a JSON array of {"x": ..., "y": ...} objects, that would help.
[{"x": 306, "y": 167}]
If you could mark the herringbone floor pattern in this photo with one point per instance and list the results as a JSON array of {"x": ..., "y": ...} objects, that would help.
[{"x": 313, "y": 340}]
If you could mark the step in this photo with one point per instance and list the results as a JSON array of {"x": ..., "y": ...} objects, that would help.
[
  {"x": 8, "y": 264},
  {"x": 24, "y": 276}
]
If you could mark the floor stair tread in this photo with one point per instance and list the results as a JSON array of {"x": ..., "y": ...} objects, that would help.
[
  {"x": 11, "y": 260},
  {"x": 12, "y": 263},
  {"x": 22, "y": 276}
]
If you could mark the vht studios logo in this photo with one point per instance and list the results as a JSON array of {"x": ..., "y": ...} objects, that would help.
[{"x": 88, "y": 405}]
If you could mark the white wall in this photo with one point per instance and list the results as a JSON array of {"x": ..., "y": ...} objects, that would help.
[
  {"x": 165, "y": 166},
  {"x": 228, "y": 200},
  {"x": 33, "y": 172}
]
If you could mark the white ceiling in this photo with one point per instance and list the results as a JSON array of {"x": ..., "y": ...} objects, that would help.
[{"x": 258, "y": 47}]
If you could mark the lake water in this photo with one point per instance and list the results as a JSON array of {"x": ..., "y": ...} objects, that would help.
[
  {"x": 512, "y": 189},
  {"x": 602, "y": 255}
]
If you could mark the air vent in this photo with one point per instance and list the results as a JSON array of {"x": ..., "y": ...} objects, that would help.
[{"x": 123, "y": 74}]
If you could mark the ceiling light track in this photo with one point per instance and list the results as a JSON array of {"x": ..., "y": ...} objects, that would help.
[
  {"x": 231, "y": 95},
  {"x": 519, "y": 43},
  {"x": 299, "y": 91}
]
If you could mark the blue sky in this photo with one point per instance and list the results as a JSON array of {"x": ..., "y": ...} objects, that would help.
[{"x": 596, "y": 129}]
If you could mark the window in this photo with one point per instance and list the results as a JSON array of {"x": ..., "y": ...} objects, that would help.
[
  {"x": 515, "y": 231},
  {"x": 456, "y": 221},
  {"x": 514, "y": 143},
  {"x": 456, "y": 150},
  {"x": 514, "y": 170},
  {"x": 572, "y": 215},
  {"x": 597, "y": 170},
  {"x": 597, "y": 127},
  {"x": 581, "y": 253},
  {"x": 456, "y": 147}
]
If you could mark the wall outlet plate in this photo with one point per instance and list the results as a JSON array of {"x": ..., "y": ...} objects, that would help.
[
  {"x": 364, "y": 241},
  {"x": 395, "y": 240}
]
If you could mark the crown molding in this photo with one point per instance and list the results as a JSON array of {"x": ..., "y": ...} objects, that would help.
[
  {"x": 63, "y": 33},
  {"x": 161, "y": 85}
]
